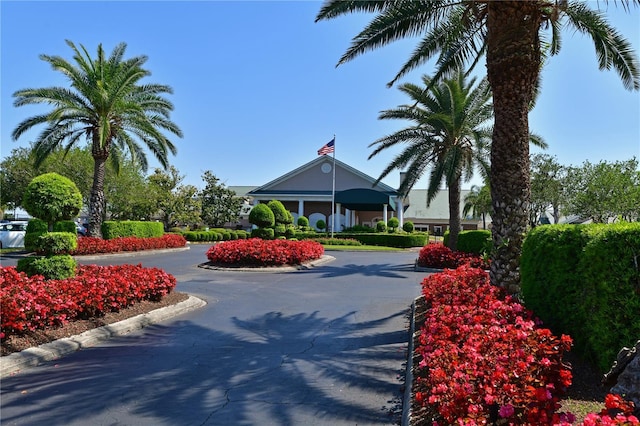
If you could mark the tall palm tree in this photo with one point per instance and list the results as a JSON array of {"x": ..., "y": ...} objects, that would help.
[
  {"x": 108, "y": 107},
  {"x": 478, "y": 203},
  {"x": 515, "y": 36},
  {"x": 447, "y": 136}
]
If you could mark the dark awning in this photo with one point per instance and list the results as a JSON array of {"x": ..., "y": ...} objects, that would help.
[{"x": 363, "y": 199}]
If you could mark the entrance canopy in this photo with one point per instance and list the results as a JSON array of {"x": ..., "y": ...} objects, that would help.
[{"x": 363, "y": 199}]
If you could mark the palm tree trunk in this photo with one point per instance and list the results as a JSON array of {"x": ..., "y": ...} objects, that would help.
[
  {"x": 454, "y": 213},
  {"x": 513, "y": 65},
  {"x": 97, "y": 201}
]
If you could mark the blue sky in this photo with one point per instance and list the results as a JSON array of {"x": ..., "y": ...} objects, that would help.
[{"x": 257, "y": 93}]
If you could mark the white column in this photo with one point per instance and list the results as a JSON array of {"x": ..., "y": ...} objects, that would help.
[
  {"x": 384, "y": 213},
  {"x": 400, "y": 212},
  {"x": 336, "y": 218},
  {"x": 347, "y": 218},
  {"x": 353, "y": 218},
  {"x": 300, "y": 207}
]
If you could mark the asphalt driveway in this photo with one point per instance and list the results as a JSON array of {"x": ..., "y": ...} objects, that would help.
[{"x": 325, "y": 346}]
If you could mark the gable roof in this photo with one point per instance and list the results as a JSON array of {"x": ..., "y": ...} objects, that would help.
[{"x": 311, "y": 178}]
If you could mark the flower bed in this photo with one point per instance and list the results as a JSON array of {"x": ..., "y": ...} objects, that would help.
[
  {"x": 90, "y": 245},
  {"x": 483, "y": 360},
  {"x": 439, "y": 256},
  {"x": 258, "y": 252},
  {"x": 30, "y": 303}
]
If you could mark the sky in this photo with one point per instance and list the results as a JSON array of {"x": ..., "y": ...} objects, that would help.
[{"x": 257, "y": 91}]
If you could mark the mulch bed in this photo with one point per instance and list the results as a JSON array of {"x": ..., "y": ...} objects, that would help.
[{"x": 17, "y": 343}]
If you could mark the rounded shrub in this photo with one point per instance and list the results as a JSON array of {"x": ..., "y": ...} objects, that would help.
[
  {"x": 381, "y": 227},
  {"x": 408, "y": 226},
  {"x": 393, "y": 224},
  {"x": 279, "y": 229},
  {"x": 290, "y": 232},
  {"x": 57, "y": 243},
  {"x": 52, "y": 197},
  {"x": 262, "y": 216},
  {"x": 264, "y": 233},
  {"x": 303, "y": 221},
  {"x": 280, "y": 213},
  {"x": 52, "y": 268},
  {"x": 321, "y": 224}
]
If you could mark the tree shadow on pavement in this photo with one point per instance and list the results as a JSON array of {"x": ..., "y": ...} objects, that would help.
[{"x": 268, "y": 369}]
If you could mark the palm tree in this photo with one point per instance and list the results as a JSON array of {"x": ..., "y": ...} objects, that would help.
[
  {"x": 446, "y": 135},
  {"x": 513, "y": 35},
  {"x": 107, "y": 107},
  {"x": 478, "y": 203}
]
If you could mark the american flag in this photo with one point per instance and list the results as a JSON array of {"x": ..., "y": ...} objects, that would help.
[{"x": 328, "y": 148}]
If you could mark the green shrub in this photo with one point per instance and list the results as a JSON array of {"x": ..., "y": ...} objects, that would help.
[
  {"x": 583, "y": 280},
  {"x": 381, "y": 227},
  {"x": 176, "y": 230},
  {"x": 131, "y": 228},
  {"x": 52, "y": 268},
  {"x": 359, "y": 228},
  {"x": 338, "y": 241},
  {"x": 261, "y": 216},
  {"x": 475, "y": 241},
  {"x": 416, "y": 239},
  {"x": 242, "y": 234},
  {"x": 51, "y": 243},
  {"x": 52, "y": 197},
  {"x": 35, "y": 228},
  {"x": 408, "y": 226},
  {"x": 280, "y": 213},
  {"x": 321, "y": 224},
  {"x": 290, "y": 232},
  {"x": 303, "y": 221},
  {"x": 65, "y": 226},
  {"x": 279, "y": 229},
  {"x": 393, "y": 224},
  {"x": 264, "y": 233}
]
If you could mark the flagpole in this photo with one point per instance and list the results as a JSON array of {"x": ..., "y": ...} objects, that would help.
[{"x": 333, "y": 190}]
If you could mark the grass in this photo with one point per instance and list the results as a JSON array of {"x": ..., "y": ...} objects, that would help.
[{"x": 11, "y": 250}]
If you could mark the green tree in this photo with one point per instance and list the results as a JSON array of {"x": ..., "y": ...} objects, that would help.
[
  {"x": 604, "y": 191},
  {"x": 16, "y": 171},
  {"x": 128, "y": 194},
  {"x": 219, "y": 204},
  {"x": 515, "y": 37},
  {"x": 447, "y": 136},
  {"x": 478, "y": 203},
  {"x": 52, "y": 198},
  {"x": 547, "y": 182},
  {"x": 109, "y": 107},
  {"x": 393, "y": 223},
  {"x": 174, "y": 203}
]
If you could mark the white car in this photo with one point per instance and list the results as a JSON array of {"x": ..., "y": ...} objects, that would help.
[{"x": 12, "y": 234}]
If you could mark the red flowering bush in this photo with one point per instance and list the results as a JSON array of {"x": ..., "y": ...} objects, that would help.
[
  {"x": 29, "y": 303},
  {"x": 258, "y": 252},
  {"x": 90, "y": 245},
  {"x": 483, "y": 358},
  {"x": 440, "y": 256},
  {"x": 617, "y": 411}
]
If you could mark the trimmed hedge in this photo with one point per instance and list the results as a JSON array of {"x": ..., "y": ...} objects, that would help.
[
  {"x": 474, "y": 241},
  {"x": 389, "y": 240},
  {"x": 57, "y": 243},
  {"x": 65, "y": 226},
  {"x": 131, "y": 228},
  {"x": 263, "y": 233},
  {"x": 57, "y": 267},
  {"x": 584, "y": 280}
]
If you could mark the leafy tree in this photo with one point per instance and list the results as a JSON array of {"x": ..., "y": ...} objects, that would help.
[
  {"x": 219, "y": 204},
  {"x": 478, "y": 202},
  {"x": 516, "y": 37},
  {"x": 16, "y": 171},
  {"x": 106, "y": 105},
  {"x": 604, "y": 191},
  {"x": 52, "y": 197},
  {"x": 446, "y": 135},
  {"x": 174, "y": 203},
  {"x": 128, "y": 194},
  {"x": 547, "y": 181}
]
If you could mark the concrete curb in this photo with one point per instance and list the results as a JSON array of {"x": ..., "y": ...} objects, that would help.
[
  {"x": 32, "y": 357},
  {"x": 274, "y": 269},
  {"x": 408, "y": 375}
]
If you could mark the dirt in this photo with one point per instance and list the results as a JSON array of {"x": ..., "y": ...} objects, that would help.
[{"x": 17, "y": 343}]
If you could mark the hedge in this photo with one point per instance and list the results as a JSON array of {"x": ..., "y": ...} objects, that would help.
[
  {"x": 584, "y": 280},
  {"x": 131, "y": 228},
  {"x": 473, "y": 241},
  {"x": 416, "y": 239}
]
